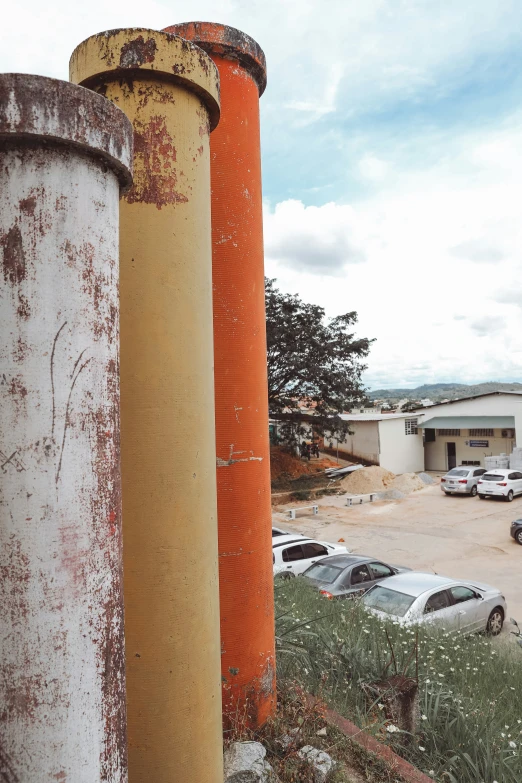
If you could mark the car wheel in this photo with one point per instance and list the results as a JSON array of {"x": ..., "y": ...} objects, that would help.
[
  {"x": 518, "y": 537},
  {"x": 482, "y": 497},
  {"x": 474, "y": 491},
  {"x": 495, "y": 622},
  {"x": 509, "y": 496},
  {"x": 287, "y": 575}
]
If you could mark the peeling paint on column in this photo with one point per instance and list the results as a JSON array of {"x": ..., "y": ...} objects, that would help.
[
  {"x": 169, "y": 89},
  {"x": 243, "y": 469},
  {"x": 64, "y": 153}
]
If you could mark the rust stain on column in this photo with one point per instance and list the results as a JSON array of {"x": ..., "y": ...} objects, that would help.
[
  {"x": 243, "y": 467},
  {"x": 64, "y": 153},
  {"x": 169, "y": 88}
]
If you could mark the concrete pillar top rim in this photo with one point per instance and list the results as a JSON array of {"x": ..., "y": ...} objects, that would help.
[
  {"x": 229, "y": 42},
  {"x": 42, "y": 110},
  {"x": 140, "y": 52}
]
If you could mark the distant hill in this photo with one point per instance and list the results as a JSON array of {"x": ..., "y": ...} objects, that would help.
[{"x": 443, "y": 391}]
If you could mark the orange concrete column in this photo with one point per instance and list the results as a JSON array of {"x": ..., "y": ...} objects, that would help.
[
  {"x": 169, "y": 89},
  {"x": 242, "y": 445}
]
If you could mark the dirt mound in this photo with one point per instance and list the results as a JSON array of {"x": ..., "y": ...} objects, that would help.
[
  {"x": 282, "y": 462},
  {"x": 407, "y": 482},
  {"x": 365, "y": 480}
]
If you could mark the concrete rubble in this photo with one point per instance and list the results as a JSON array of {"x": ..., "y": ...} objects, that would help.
[
  {"x": 245, "y": 762},
  {"x": 321, "y": 762}
]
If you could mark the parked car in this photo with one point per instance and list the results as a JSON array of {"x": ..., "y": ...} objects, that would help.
[
  {"x": 516, "y": 530},
  {"x": 278, "y": 531},
  {"x": 293, "y": 554},
  {"x": 500, "y": 482},
  {"x": 347, "y": 576},
  {"x": 463, "y": 607},
  {"x": 463, "y": 480}
]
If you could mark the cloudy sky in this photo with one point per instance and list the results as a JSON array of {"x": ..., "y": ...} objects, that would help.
[{"x": 392, "y": 161}]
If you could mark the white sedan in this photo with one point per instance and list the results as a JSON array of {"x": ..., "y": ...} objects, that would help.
[
  {"x": 293, "y": 554},
  {"x": 461, "y": 607},
  {"x": 500, "y": 483}
]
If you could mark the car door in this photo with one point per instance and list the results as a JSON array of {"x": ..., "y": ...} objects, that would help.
[
  {"x": 380, "y": 571},
  {"x": 468, "y": 604},
  {"x": 518, "y": 487},
  {"x": 293, "y": 559},
  {"x": 440, "y": 611},
  {"x": 361, "y": 579}
]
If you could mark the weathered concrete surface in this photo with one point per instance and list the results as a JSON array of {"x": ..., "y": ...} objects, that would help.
[
  {"x": 168, "y": 87},
  {"x": 242, "y": 444},
  {"x": 62, "y": 683}
]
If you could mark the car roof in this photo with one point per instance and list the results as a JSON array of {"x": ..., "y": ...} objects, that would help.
[
  {"x": 415, "y": 583},
  {"x": 291, "y": 538},
  {"x": 501, "y": 471},
  {"x": 344, "y": 560}
]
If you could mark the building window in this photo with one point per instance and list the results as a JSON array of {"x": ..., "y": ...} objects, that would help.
[
  {"x": 481, "y": 433},
  {"x": 470, "y": 462},
  {"x": 410, "y": 426},
  {"x": 451, "y": 433}
]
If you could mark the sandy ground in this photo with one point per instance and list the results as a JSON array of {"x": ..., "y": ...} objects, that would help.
[{"x": 460, "y": 537}]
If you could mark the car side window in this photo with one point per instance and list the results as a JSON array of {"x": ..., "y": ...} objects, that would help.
[
  {"x": 512, "y": 476},
  {"x": 518, "y": 475},
  {"x": 479, "y": 472},
  {"x": 314, "y": 550},
  {"x": 461, "y": 594},
  {"x": 361, "y": 574},
  {"x": 381, "y": 571},
  {"x": 436, "y": 602},
  {"x": 293, "y": 553}
]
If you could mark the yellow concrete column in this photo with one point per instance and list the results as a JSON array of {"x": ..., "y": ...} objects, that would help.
[{"x": 169, "y": 89}]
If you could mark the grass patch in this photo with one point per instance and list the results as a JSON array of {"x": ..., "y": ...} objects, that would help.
[{"x": 470, "y": 689}]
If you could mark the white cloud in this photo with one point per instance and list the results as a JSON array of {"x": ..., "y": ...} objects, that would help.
[
  {"x": 317, "y": 240},
  {"x": 488, "y": 325},
  {"x": 372, "y": 168},
  {"x": 479, "y": 251}
]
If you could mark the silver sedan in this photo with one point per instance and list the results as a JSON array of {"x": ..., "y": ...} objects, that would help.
[
  {"x": 462, "y": 480},
  {"x": 462, "y": 607}
]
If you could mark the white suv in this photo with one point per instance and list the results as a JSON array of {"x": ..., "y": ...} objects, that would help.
[
  {"x": 500, "y": 482},
  {"x": 293, "y": 554}
]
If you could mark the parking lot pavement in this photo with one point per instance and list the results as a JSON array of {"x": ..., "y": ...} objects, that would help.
[{"x": 460, "y": 537}]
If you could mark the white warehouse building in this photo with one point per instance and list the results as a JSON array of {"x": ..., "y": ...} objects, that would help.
[
  {"x": 458, "y": 432},
  {"x": 465, "y": 431}
]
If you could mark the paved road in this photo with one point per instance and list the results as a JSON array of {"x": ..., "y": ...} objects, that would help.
[{"x": 460, "y": 537}]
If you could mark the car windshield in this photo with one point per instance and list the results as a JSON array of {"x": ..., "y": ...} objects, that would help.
[
  {"x": 458, "y": 472},
  {"x": 493, "y": 477},
  {"x": 323, "y": 573},
  {"x": 388, "y": 601}
]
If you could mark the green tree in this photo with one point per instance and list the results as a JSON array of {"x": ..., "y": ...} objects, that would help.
[{"x": 314, "y": 365}]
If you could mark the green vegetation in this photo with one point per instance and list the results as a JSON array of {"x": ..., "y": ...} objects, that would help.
[{"x": 470, "y": 689}]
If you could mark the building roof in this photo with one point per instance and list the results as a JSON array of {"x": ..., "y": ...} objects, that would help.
[
  {"x": 468, "y": 422},
  {"x": 379, "y": 416},
  {"x": 474, "y": 397}
]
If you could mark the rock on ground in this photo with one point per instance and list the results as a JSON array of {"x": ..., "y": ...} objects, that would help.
[
  {"x": 321, "y": 762},
  {"x": 424, "y": 477},
  {"x": 245, "y": 762}
]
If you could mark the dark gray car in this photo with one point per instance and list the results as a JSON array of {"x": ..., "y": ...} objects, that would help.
[{"x": 347, "y": 576}]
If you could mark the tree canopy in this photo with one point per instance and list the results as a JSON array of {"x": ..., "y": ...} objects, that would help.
[{"x": 314, "y": 363}]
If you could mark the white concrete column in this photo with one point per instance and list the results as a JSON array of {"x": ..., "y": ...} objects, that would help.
[{"x": 64, "y": 154}]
